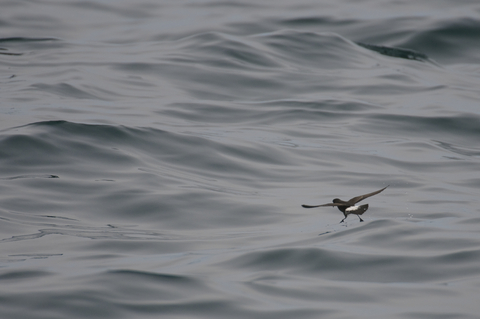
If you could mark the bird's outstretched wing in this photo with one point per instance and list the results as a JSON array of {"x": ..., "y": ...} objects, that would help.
[
  {"x": 362, "y": 197},
  {"x": 329, "y": 204}
]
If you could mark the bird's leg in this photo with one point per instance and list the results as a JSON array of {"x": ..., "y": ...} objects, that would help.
[
  {"x": 360, "y": 218},
  {"x": 342, "y": 220}
]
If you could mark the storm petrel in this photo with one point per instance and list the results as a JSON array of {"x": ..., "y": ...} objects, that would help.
[{"x": 349, "y": 207}]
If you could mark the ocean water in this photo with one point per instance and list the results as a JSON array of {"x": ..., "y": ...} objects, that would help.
[{"x": 154, "y": 157}]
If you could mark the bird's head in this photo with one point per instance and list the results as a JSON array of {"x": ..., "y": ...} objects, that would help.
[{"x": 337, "y": 200}]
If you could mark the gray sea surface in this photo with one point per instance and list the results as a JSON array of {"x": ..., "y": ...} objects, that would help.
[{"x": 154, "y": 157}]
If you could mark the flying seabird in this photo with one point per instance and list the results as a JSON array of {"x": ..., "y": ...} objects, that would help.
[{"x": 349, "y": 207}]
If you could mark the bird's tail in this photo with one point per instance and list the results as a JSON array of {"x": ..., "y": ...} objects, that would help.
[{"x": 361, "y": 209}]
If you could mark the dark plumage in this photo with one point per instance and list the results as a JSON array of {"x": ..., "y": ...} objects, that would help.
[{"x": 348, "y": 207}]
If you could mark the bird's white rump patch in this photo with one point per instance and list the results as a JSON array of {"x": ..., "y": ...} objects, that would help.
[{"x": 352, "y": 208}]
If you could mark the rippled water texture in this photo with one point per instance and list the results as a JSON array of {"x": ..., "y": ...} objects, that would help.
[{"x": 154, "y": 157}]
